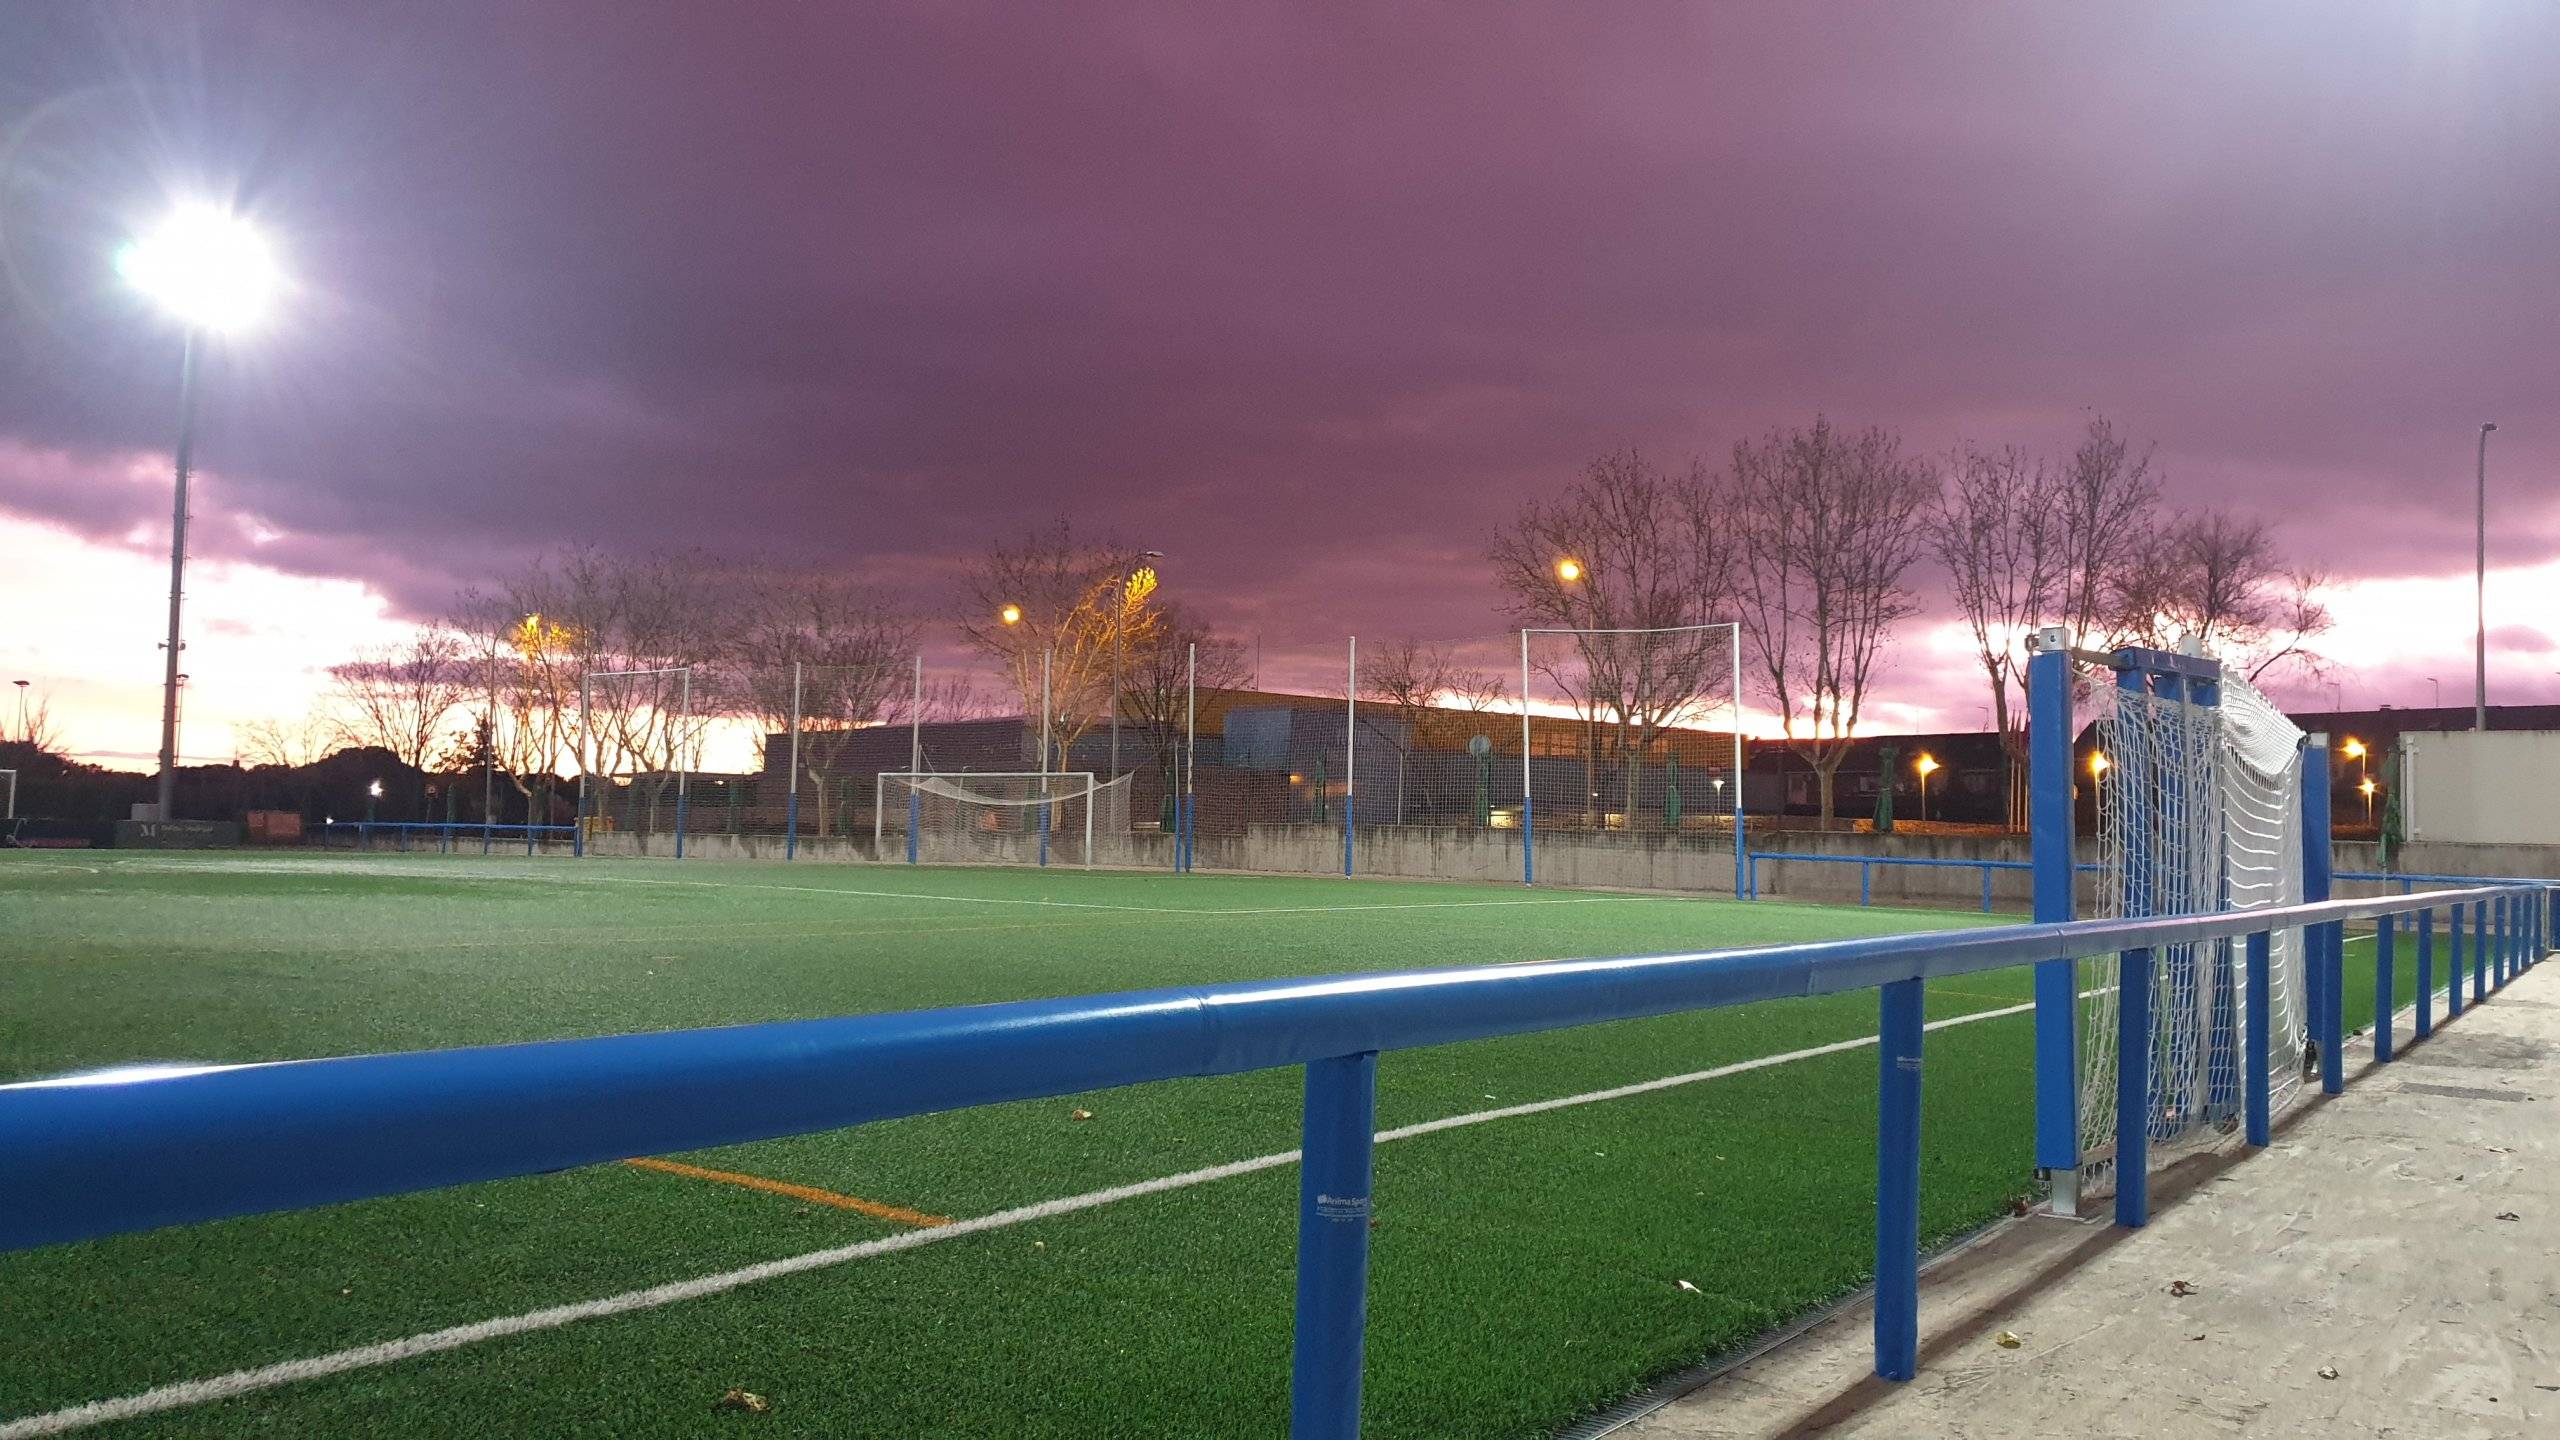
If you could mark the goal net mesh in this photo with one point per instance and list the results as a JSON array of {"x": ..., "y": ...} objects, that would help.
[
  {"x": 1011, "y": 818},
  {"x": 2199, "y": 811}
]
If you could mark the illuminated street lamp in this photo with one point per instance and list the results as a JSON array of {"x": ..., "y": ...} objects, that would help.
[
  {"x": 1131, "y": 587},
  {"x": 1568, "y": 569},
  {"x": 1927, "y": 765},
  {"x": 213, "y": 273},
  {"x": 2366, "y": 787},
  {"x": 2354, "y": 750},
  {"x": 1010, "y": 615}
]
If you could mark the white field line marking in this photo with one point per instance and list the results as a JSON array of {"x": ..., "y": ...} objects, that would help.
[
  {"x": 1100, "y": 905},
  {"x": 185, "y": 1393},
  {"x": 556, "y": 879}
]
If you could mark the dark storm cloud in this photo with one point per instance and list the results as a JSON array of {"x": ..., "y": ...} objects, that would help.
[{"x": 1307, "y": 298}]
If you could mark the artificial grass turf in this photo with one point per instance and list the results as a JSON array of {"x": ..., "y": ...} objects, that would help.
[{"x": 1526, "y": 1270}]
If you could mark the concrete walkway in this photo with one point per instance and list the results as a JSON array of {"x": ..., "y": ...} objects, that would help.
[{"x": 2391, "y": 1266}]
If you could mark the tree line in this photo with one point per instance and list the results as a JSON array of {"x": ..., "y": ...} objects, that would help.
[{"x": 1810, "y": 539}]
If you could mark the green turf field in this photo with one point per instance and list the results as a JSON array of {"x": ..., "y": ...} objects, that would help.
[{"x": 1528, "y": 1268}]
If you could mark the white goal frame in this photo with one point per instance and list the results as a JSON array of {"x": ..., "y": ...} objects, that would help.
[
  {"x": 1528, "y": 821},
  {"x": 1056, "y": 787}
]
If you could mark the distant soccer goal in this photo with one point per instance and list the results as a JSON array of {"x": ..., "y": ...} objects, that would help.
[
  {"x": 639, "y": 741},
  {"x": 1019, "y": 817},
  {"x": 1632, "y": 735},
  {"x": 2195, "y": 788}
]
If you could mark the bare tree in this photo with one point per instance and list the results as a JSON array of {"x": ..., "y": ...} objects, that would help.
[
  {"x": 35, "y": 722},
  {"x": 399, "y": 697},
  {"x": 2108, "y": 501},
  {"x": 835, "y": 656},
  {"x": 2003, "y": 540},
  {"x": 1630, "y": 559},
  {"x": 1410, "y": 680},
  {"x": 2219, "y": 579},
  {"x": 1158, "y": 693},
  {"x": 1052, "y": 596},
  {"x": 290, "y": 743},
  {"x": 1831, "y": 522}
]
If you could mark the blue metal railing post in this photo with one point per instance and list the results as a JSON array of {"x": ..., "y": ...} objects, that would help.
[
  {"x": 915, "y": 823},
  {"x": 791, "y": 824},
  {"x": 1986, "y": 889},
  {"x": 2050, "y": 825},
  {"x": 2333, "y": 1018},
  {"x": 2506, "y": 961},
  {"x": 2254, "y": 1085},
  {"x": 1897, "y": 1318},
  {"x": 2385, "y": 959},
  {"x": 1741, "y": 840},
  {"x": 2479, "y": 952},
  {"x": 2133, "y": 1088},
  {"x": 2453, "y": 960},
  {"x": 2426, "y": 1018},
  {"x": 2325, "y": 956},
  {"x": 1334, "y": 1177},
  {"x": 1528, "y": 842},
  {"x": 1866, "y": 883}
]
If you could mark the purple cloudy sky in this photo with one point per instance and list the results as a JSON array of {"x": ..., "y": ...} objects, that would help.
[{"x": 1306, "y": 295}]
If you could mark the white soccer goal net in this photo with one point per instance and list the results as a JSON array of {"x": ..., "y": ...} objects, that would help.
[
  {"x": 2199, "y": 810},
  {"x": 1020, "y": 817}
]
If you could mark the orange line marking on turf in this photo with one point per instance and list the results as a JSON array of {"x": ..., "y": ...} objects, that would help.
[{"x": 895, "y": 1214}]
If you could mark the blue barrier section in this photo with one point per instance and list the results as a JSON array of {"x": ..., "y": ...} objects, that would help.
[
  {"x": 100, "y": 1155},
  {"x": 1333, "y": 1247}
]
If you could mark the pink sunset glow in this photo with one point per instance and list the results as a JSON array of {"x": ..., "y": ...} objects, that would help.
[{"x": 1311, "y": 305}]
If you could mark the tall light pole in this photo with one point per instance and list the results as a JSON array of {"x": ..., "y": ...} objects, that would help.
[
  {"x": 1119, "y": 622},
  {"x": 213, "y": 273},
  {"x": 2480, "y": 587},
  {"x": 23, "y": 733}
]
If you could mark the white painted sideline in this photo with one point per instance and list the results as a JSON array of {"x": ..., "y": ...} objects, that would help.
[{"x": 185, "y": 1393}]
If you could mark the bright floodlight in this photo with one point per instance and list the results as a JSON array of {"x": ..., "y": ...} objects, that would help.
[{"x": 206, "y": 266}]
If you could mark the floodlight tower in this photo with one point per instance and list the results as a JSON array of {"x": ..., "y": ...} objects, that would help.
[{"x": 213, "y": 273}]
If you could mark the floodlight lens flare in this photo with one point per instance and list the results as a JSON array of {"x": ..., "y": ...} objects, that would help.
[{"x": 205, "y": 265}]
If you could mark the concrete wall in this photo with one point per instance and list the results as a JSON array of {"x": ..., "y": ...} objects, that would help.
[{"x": 2497, "y": 787}]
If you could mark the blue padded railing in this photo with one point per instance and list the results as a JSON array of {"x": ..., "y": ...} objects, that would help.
[
  {"x": 93, "y": 1156},
  {"x": 447, "y": 834}
]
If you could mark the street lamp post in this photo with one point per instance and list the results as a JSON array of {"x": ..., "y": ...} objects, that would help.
[
  {"x": 1927, "y": 765},
  {"x": 24, "y": 734},
  {"x": 212, "y": 272},
  {"x": 2480, "y": 585}
]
